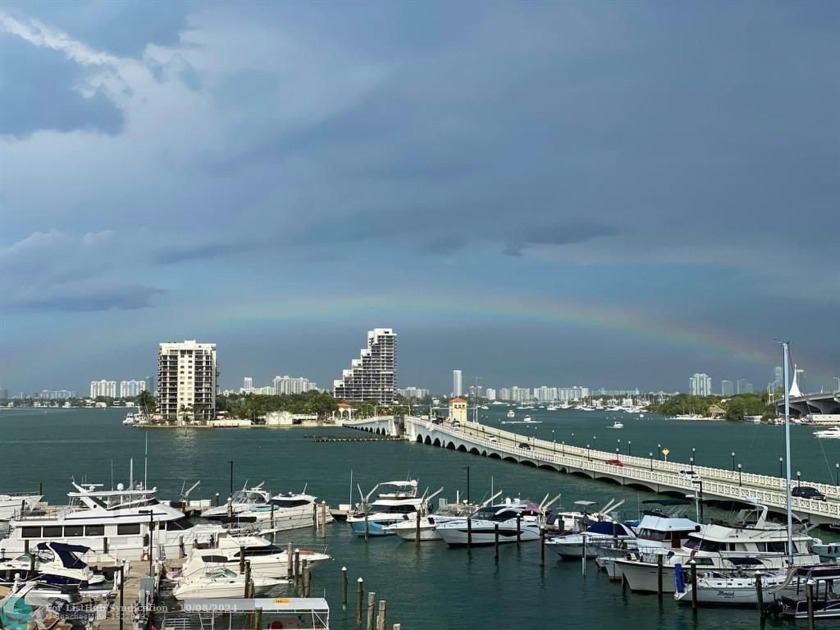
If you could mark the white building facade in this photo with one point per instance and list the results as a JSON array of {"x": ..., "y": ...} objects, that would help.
[
  {"x": 103, "y": 388},
  {"x": 700, "y": 385},
  {"x": 373, "y": 376},
  {"x": 457, "y": 383}
]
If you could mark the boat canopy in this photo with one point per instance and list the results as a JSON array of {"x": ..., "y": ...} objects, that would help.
[
  {"x": 66, "y": 553},
  {"x": 609, "y": 529}
]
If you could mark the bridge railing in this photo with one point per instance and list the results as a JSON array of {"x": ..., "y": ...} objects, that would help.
[{"x": 719, "y": 483}]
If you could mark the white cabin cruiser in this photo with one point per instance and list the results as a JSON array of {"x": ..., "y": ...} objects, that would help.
[
  {"x": 241, "y": 501},
  {"x": 217, "y": 581},
  {"x": 515, "y": 520},
  {"x": 401, "y": 503},
  {"x": 53, "y": 563},
  {"x": 292, "y": 510},
  {"x": 12, "y": 503}
]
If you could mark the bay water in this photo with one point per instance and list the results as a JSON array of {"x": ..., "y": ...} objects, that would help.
[{"x": 430, "y": 586}]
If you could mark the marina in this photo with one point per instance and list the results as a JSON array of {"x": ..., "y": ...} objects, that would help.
[{"x": 409, "y": 576}]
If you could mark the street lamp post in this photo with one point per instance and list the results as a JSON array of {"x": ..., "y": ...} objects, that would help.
[
  {"x": 798, "y": 478},
  {"x": 650, "y": 455},
  {"x": 693, "y": 454},
  {"x": 629, "y": 447},
  {"x": 587, "y": 452},
  {"x": 733, "y": 461},
  {"x": 700, "y": 496},
  {"x": 659, "y": 450},
  {"x": 151, "y": 514},
  {"x": 781, "y": 467},
  {"x": 553, "y": 443},
  {"x": 739, "y": 474},
  {"x": 691, "y": 462},
  {"x": 563, "y": 446},
  {"x": 837, "y": 475}
]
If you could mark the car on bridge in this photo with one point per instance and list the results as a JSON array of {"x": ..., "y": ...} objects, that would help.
[
  {"x": 614, "y": 462},
  {"x": 689, "y": 474},
  {"x": 525, "y": 446},
  {"x": 807, "y": 492}
]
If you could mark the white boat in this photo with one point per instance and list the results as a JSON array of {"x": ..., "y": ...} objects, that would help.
[
  {"x": 132, "y": 418},
  {"x": 399, "y": 504},
  {"x": 511, "y": 413},
  {"x": 827, "y": 552},
  {"x": 590, "y": 542},
  {"x": 618, "y": 424},
  {"x": 792, "y": 598},
  {"x": 218, "y": 581},
  {"x": 265, "y": 558},
  {"x": 292, "y": 510},
  {"x": 427, "y": 525},
  {"x": 242, "y": 501},
  {"x": 10, "y": 503},
  {"x": 832, "y": 433},
  {"x": 735, "y": 587},
  {"x": 53, "y": 563},
  {"x": 718, "y": 546},
  {"x": 515, "y": 520},
  {"x": 115, "y": 523}
]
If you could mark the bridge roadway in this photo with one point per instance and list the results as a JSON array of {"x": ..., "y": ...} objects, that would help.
[{"x": 638, "y": 472}]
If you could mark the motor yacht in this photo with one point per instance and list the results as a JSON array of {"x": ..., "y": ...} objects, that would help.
[
  {"x": 515, "y": 520},
  {"x": 292, "y": 510},
  {"x": 399, "y": 502},
  {"x": 242, "y": 500},
  {"x": 218, "y": 581},
  {"x": 12, "y": 503}
]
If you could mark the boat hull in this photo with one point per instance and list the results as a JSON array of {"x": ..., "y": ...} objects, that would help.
[{"x": 480, "y": 535}]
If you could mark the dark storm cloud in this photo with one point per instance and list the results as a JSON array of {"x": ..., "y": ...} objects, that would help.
[
  {"x": 40, "y": 90},
  {"x": 93, "y": 296}
]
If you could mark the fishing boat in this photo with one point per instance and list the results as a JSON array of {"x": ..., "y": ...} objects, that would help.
[
  {"x": 217, "y": 581},
  {"x": 618, "y": 424}
]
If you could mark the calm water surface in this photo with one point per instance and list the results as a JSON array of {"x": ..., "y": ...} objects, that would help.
[{"x": 430, "y": 587}]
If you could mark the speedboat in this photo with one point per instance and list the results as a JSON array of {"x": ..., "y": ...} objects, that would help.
[
  {"x": 119, "y": 522},
  {"x": 266, "y": 559},
  {"x": 832, "y": 433},
  {"x": 792, "y": 597},
  {"x": 515, "y": 520},
  {"x": 618, "y": 424},
  {"x": 590, "y": 542},
  {"x": 398, "y": 503},
  {"x": 217, "y": 581},
  {"x": 241, "y": 501},
  {"x": 53, "y": 563}
]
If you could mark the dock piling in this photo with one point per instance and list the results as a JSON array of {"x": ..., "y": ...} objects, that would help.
[
  {"x": 583, "y": 558},
  {"x": 542, "y": 548},
  {"x": 518, "y": 529},
  {"x": 258, "y": 619},
  {"x": 324, "y": 519},
  {"x": 693, "y": 585},
  {"x": 289, "y": 560},
  {"x": 371, "y": 609},
  {"x": 360, "y": 598},
  {"x": 659, "y": 569},
  {"x": 297, "y": 564},
  {"x": 469, "y": 532},
  {"x": 344, "y": 588},
  {"x": 496, "y": 539},
  {"x": 380, "y": 617},
  {"x": 759, "y": 596}
]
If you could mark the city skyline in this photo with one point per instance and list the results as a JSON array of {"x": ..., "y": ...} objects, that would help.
[{"x": 574, "y": 192}]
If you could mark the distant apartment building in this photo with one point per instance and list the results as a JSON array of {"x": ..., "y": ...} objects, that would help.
[
  {"x": 247, "y": 384},
  {"x": 4, "y": 393},
  {"x": 103, "y": 388},
  {"x": 373, "y": 376},
  {"x": 413, "y": 392},
  {"x": 700, "y": 385},
  {"x": 457, "y": 383},
  {"x": 727, "y": 388},
  {"x": 743, "y": 386},
  {"x": 284, "y": 385},
  {"x": 55, "y": 394},
  {"x": 187, "y": 380},
  {"x": 545, "y": 394},
  {"x": 130, "y": 389},
  {"x": 490, "y": 393}
]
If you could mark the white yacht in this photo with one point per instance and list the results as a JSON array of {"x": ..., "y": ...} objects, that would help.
[
  {"x": 427, "y": 525},
  {"x": 735, "y": 587},
  {"x": 115, "y": 523},
  {"x": 832, "y": 433},
  {"x": 242, "y": 501},
  {"x": 292, "y": 510},
  {"x": 516, "y": 520},
  {"x": 399, "y": 504},
  {"x": 266, "y": 559},
  {"x": 592, "y": 541},
  {"x": 719, "y": 546},
  {"x": 218, "y": 581},
  {"x": 53, "y": 563}
]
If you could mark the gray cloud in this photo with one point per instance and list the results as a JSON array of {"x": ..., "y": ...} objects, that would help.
[{"x": 90, "y": 296}]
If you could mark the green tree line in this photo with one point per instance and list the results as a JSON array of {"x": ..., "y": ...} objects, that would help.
[{"x": 735, "y": 407}]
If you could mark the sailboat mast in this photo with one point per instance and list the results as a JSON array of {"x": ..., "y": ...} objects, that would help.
[{"x": 785, "y": 362}]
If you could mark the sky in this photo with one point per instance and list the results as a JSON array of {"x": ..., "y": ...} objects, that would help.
[{"x": 540, "y": 193}]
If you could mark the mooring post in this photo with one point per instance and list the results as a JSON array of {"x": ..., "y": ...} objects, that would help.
[
  {"x": 371, "y": 609},
  {"x": 809, "y": 593},
  {"x": 380, "y": 618},
  {"x": 247, "y": 579},
  {"x": 542, "y": 548},
  {"x": 759, "y": 596},
  {"x": 324, "y": 519},
  {"x": 583, "y": 557},
  {"x": 258, "y": 619},
  {"x": 241, "y": 560},
  {"x": 344, "y": 588},
  {"x": 693, "y": 564},
  {"x": 496, "y": 539},
  {"x": 366, "y": 524},
  {"x": 518, "y": 529},
  {"x": 416, "y": 530},
  {"x": 659, "y": 570},
  {"x": 360, "y": 598},
  {"x": 469, "y": 532},
  {"x": 297, "y": 564},
  {"x": 289, "y": 560}
]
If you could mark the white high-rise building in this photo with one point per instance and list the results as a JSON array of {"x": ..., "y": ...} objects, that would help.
[
  {"x": 129, "y": 389},
  {"x": 490, "y": 393},
  {"x": 457, "y": 383},
  {"x": 247, "y": 384},
  {"x": 103, "y": 388},
  {"x": 700, "y": 385},
  {"x": 187, "y": 380},
  {"x": 373, "y": 376},
  {"x": 292, "y": 385}
]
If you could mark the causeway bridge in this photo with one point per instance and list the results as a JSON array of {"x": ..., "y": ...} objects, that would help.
[
  {"x": 822, "y": 403},
  {"x": 646, "y": 473}
]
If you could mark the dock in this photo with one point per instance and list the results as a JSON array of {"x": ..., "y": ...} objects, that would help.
[{"x": 355, "y": 438}]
